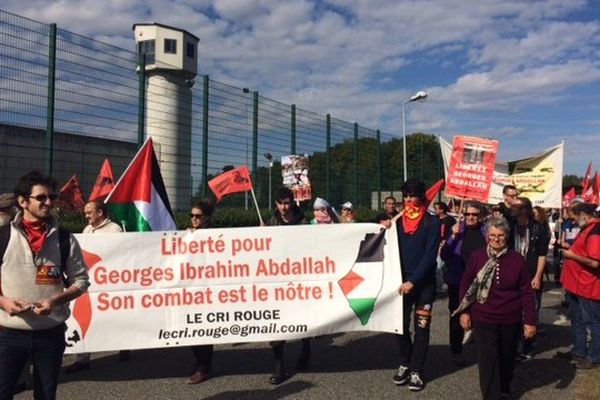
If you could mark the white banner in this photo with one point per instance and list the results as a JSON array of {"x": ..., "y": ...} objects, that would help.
[
  {"x": 538, "y": 177},
  {"x": 162, "y": 289}
]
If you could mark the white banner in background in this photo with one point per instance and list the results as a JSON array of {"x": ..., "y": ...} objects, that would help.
[
  {"x": 538, "y": 177},
  {"x": 162, "y": 289}
]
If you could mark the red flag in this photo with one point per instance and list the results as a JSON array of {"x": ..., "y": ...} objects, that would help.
[
  {"x": 586, "y": 179},
  {"x": 568, "y": 197},
  {"x": 70, "y": 195},
  {"x": 597, "y": 186},
  {"x": 594, "y": 188},
  {"x": 589, "y": 195},
  {"x": 104, "y": 182},
  {"x": 433, "y": 191},
  {"x": 233, "y": 181}
]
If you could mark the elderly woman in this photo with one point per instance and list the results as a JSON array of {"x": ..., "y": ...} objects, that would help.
[
  {"x": 496, "y": 298},
  {"x": 201, "y": 218}
]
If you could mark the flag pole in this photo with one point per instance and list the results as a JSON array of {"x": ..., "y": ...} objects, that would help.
[{"x": 256, "y": 205}]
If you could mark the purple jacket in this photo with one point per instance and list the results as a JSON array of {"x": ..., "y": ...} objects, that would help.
[
  {"x": 451, "y": 253},
  {"x": 511, "y": 298}
]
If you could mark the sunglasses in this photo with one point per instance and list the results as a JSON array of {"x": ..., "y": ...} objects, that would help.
[
  {"x": 43, "y": 197},
  {"x": 471, "y": 214},
  {"x": 196, "y": 215}
]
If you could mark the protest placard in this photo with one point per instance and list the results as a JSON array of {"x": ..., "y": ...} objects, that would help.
[{"x": 471, "y": 167}]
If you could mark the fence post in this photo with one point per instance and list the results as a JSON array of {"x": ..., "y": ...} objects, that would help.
[
  {"x": 205, "y": 95},
  {"x": 378, "y": 169},
  {"x": 293, "y": 140},
  {"x": 141, "y": 99},
  {"x": 50, "y": 99},
  {"x": 328, "y": 156},
  {"x": 356, "y": 164},
  {"x": 255, "y": 139}
]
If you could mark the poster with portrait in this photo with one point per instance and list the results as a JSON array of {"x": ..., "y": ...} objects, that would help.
[{"x": 294, "y": 170}]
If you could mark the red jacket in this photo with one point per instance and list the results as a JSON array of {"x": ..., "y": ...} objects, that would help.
[{"x": 577, "y": 279}]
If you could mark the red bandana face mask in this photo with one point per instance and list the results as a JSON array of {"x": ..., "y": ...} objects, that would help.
[{"x": 411, "y": 217}]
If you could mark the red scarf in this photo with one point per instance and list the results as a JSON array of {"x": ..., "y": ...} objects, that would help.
[
  {"x": 36, "y": 233},
  {"x": 411, "y": 217}
]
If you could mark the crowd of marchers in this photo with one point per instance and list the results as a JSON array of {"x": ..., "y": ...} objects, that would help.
[{"x": 490, "y": 260}]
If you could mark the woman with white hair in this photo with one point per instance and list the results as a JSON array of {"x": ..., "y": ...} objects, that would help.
[
  {"x": 324, "y": 213},
  {"x": 496, "y": 299}
]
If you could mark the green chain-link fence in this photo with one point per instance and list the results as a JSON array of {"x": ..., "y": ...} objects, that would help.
[{"x": 67, "y": 102}]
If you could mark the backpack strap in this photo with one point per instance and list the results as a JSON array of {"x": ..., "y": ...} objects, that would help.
[
  {"x": 4, "y": 239},
  {"x": 64, "y": 245}
]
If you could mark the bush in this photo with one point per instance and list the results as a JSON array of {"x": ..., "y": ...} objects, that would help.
[{"x": 226, "y": 217}]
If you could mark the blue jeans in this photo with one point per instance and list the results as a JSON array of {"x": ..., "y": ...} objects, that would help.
[
  {"x": 578, "y": 329},
  {"x": 45, "y": 348},
  {"x": 585, "y": 314}
]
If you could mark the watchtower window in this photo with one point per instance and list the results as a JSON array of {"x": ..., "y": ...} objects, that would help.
[
  {"x": 147, "y": 47},
  {"x": 170, "y": 46},
  {"x": 189, "y": 49}
]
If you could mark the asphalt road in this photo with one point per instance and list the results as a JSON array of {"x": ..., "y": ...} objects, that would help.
[{"x": 345, "y": 366}]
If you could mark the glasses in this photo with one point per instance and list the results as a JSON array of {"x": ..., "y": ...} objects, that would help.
[
  {"x": 471, "y": 214},
  {"x": 346, "y": 209},
  {"x": 192, "y": 215},
  {"x": 497, "y": 237},
  {"x": 42, "y": 198},
  {"x": 512, "y": 196}
]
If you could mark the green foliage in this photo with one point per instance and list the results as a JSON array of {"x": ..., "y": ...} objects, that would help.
[
  {"x": 72, "y": 221},
  {"x": 423, "y": 158},
  {"x": 571, "y": 180}
]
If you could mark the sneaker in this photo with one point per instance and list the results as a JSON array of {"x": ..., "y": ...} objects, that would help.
[
  {"x": 416, "y": 384},
  {"x": 402, "y": 376},
  {"x": 197, "y": 377},
  {"x": 586, "y": 364},
  {"x": 522, "y": 357},
  {"x": 568, "y": 355},
  {"x": 468, "y": 337}
]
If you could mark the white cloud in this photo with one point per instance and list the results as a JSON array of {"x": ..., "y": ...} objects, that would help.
[{"x": 350, "y": 57}]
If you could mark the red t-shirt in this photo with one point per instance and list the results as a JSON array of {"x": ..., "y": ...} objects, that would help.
[{"x": 577, "y": 279}]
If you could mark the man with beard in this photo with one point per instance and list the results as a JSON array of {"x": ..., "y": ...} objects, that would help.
[{"x": 42, "y": 270}]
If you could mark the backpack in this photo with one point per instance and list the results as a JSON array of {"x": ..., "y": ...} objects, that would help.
[{"x": 64, "y": 244}]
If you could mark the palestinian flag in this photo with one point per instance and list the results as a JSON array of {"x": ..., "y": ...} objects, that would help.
[
  {"x": 363, "y": 283},
  {"x": 139, "y": 200}
]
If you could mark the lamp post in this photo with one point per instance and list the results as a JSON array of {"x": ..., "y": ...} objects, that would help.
[
  {"x": 246, "y": 91},
  {"x": 419, "y": 96},
  {"x": 269, "y": 158}
]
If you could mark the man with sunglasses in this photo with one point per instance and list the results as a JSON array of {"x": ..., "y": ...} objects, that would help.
[
  {"x": 510, "y": 194},
  {"x": 466, "y": 236},
  {"x": 35, "y": 289}
]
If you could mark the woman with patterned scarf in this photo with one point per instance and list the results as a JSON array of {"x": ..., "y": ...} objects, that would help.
[{"x": 496, "y": 298}]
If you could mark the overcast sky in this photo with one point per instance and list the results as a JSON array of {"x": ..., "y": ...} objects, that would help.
[{"x": 524, "y": 72}]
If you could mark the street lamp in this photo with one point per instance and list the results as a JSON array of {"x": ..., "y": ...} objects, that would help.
[
  {"x": 419, "y": 96},
  {"x": 269, "y": 158},
  {"x": 246, "y": 91}
]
